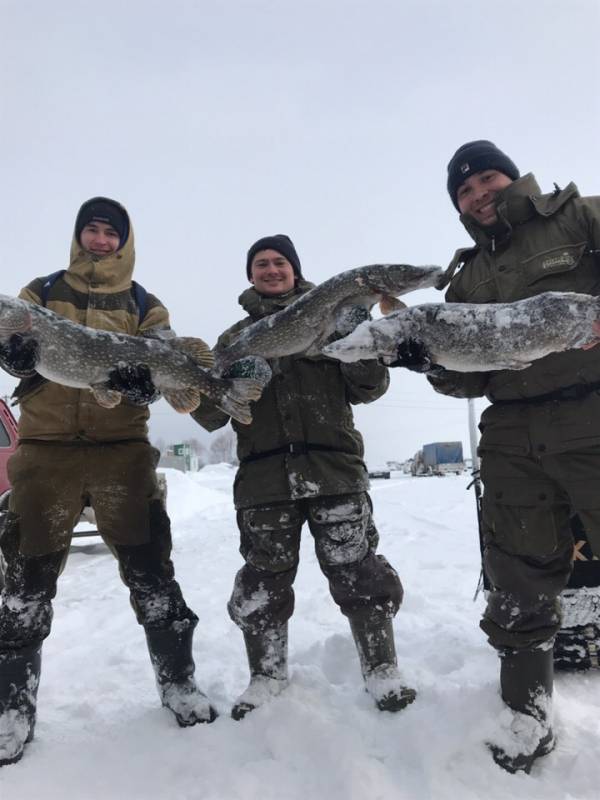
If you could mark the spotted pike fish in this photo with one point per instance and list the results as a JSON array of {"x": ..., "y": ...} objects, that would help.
[
  {"x": 81, "y": 357},
  {"x": 470, "y": 337},
  {"x": 305, "y": 325}
]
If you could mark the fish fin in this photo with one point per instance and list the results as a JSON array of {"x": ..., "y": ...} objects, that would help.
[
  {"x": 238, "y": 396},
  {"x": 512, "y": 365},
  {"x": 387, "y": 304},
  {"x": 183, "y": 400},
  {"x": 107, "y": 398},
  {"x": 195, "y": 348},
  {"x": 517, "y": 365},
  {"x": 244, "y": 390},
  {"x": 238, "y": 411}
]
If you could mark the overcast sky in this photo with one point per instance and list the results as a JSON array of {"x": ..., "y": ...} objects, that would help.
[{"x": 216, "y": 123}]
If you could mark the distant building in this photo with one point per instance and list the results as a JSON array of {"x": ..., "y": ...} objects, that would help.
[{"x": 180, "y": 456}]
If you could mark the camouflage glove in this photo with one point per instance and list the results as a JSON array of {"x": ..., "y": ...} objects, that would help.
[
  {"x": 20, "y": 355},
  {"x": 250, "y": 367},
  {"x": 134, "y": 382},
  {"x": 413, "y": 355},
  {"x": 349, "y": 318}
]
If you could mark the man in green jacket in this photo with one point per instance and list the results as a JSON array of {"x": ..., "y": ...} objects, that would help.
[
  {"x": 301, "y": 460},
  {"x": 540, "y": 437},
  {"x": 73, "y": 452}
]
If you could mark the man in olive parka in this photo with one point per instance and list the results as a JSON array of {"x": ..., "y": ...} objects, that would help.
[
  {"x": 73, "y": 452},
  {"x": 301, "y": 460},
  {"x": 540, "y": 437}
]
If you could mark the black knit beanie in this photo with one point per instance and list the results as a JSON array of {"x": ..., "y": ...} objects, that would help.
[
  {"x": 282, "y": 244},
  {"x": 102, "y": 209},
  {"x": 476, "y": 157}
]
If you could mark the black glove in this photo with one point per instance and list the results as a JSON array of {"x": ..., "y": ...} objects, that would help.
[
  {"x": 413, "y": 355},
  {"x": 20, "y": 355},
  {"x": 349, "y": 318},
  {"x": 253, "y": 367},
  {"x": 134, "y": 382}
]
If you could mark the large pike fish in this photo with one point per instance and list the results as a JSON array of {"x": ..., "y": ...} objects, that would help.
[
  {"x": 305, "y": 325},
  {"x": 82, "y": 357},
  {"x": 470, "y": 337}
]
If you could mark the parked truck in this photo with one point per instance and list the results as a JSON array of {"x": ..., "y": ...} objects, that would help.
[{"x": 439, "y": 458}]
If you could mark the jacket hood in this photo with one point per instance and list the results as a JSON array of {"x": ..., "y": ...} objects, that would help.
[
  {"x": 519, "y": 202},
  {"x": 259, "y": 305},
  {"x": 112, "y": 273}
]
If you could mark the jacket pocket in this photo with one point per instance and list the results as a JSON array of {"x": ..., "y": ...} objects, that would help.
[
  {"x": 503, "y": 430},
  {"x": 519, "y": 517},
  {"x": 550, "y": 266}
]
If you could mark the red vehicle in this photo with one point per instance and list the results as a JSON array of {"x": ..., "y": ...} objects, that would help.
[{"x": 8, "y": 445}]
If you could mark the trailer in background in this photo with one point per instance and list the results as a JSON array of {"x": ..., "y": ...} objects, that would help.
[{"x": 439, "y": 458}]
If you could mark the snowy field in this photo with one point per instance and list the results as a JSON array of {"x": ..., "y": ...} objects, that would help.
[{"x": 101, "y": 734}]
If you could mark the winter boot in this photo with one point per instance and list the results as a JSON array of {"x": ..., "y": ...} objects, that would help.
[
  {"x": 19, "y": 680},
  {"x": 267, "y": 659},
  {"x": 374, "y": 641},
  {"x": 171, "y": 655},
  {"x": 526, "y": 678}
]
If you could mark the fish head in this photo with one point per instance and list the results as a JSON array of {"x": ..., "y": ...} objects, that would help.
[
  {"x": 370, "y": 340},
  {"x": 392, "y": 280},
  {"x": 14, "y": 317}
]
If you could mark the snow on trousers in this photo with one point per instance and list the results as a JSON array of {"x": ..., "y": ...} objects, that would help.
[
  {"x": 528, "y": 541},
  {"x": 144, "y": 563},
  {"x": 363, "y": 584}
]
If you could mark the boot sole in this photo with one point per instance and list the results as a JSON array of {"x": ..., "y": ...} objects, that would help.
[
  {"x": 5, "y": 762},
  {"x": 184, "y": 723},
  {"x": 393, "y": 703},
  {"x": 239, "y": 712},
  {"x": 522, "y": 763}
]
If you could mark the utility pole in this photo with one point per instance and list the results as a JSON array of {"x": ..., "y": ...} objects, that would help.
[{"x": 477, "y": 488}]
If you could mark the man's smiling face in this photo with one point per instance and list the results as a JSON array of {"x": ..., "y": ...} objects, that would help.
[
  {"x": 271, "y": 273},
  {"x": 477, "y": 194}
]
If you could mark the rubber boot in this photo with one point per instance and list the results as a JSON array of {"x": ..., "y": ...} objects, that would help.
[
  {"x": 526, "y": 678},
  {"x": 19, "y": 680},
  {"x": 171, "y": 655},
  {"x": 267, "y": 660},
  {"x": 374, "y": 641}
]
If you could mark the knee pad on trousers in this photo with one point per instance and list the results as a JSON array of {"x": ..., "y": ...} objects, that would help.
[
  {"x": 342, "y": 529},
  {"x": 270, "y": 537}
]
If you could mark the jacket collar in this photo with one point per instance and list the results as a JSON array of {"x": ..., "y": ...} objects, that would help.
[
  {"x": 260, "y": 305},
  {"x": 514, "y": 207},
  {"x": 108, "y": 274}
]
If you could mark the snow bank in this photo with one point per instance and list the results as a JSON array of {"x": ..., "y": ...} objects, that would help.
[{"x": 102, "y": 735}]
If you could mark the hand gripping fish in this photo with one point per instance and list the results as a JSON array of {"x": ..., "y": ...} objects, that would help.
[
  {"x": 305, "y": 325},
  {"x": 74, "y": 355},
  {"x": 470, "y": 337}
]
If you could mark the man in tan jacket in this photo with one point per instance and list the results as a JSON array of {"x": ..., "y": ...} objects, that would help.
[
  {"x": 540, "y": 437},
  {"x": 72, "y": 452}
]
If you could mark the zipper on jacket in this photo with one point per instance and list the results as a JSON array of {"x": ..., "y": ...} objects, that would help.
[{"x": 493, "y": 244}]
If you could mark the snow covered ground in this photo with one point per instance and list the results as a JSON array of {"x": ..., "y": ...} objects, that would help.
[{"x": 101, "y": 734}]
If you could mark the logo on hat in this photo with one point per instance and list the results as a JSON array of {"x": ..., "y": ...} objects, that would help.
[{"x": 464, "y": 168}]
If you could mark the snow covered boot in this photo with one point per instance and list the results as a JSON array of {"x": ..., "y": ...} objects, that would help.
[
  {"x": 171, "y": 655},
  {"x": 267, "y": 659},
  {"x": 19, "y": 680},
  {"x": 374, "y": 641},
  {"x": 526, "y": 678}
]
